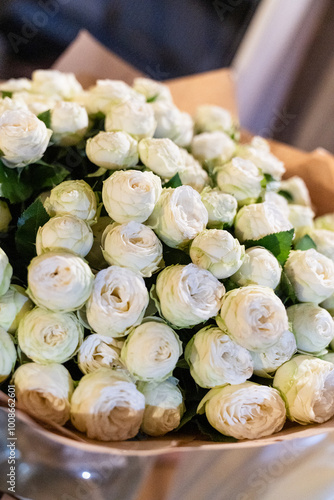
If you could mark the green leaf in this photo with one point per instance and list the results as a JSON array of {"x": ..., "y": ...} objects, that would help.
[
  {"x": 277, "y": 243},
  {"x": 182, "y": 364},
  {"x": 11, "y": 185},
  {"x": 152, "y": 99},
  {"x": 27, "y": 226},
  {"x": 285, "y": 290},
  {"x": 45, "y": 117},
  {"x": 206, "y": 429},
  {"x": 189, "y": 414},
  {"x": 267, "y": 178},
  {"x": 174, "y": 182},
  {"x": 6, "y": 93},
  {"x": 305, "y": 243},
  {"x": 43, "y": 175},
  {"x": 288, "y": 196}
]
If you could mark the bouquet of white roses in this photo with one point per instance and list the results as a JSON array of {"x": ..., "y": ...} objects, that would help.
[{"x": 153, "y": 270}]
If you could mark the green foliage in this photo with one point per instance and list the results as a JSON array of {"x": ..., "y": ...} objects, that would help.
[
  {"x": 305, "y": 243},
  {"x": 174, "y": 182},
  {"x": 45, "y": 117},
  {"x": 277, "y": 243},
  {"x": 27, "y": 226}
]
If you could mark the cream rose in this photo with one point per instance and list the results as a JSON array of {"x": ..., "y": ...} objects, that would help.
[
  {"x": 259, "y": 267},
  {"x": 112, "y": 150},
  {"x": 161, "y": 156},
  {"x": 215, "y": 359},
  {"x": 151, "y": 351},
  {"x": 221, "y": 207},
  {"x": 212, "y": 146},
  {"x": 97, "y": 352},
  {"x": 266, "y": 362},
  {"x": 131, "y": 195},
  {"x": 50, "y": 82},
  {"x": 13, "y": 306},
  {"x": 178, "y": 216},
  {"x": 217, "y": 251},
  {"x": 107, "y": 406},
  {"x": 312, "y": 326},
  {"x": 253, "y": 316},
  {"x": 244, "y": 411},
  {"x": 44, "y": 391},
  {"x": 72, "y": 197},
  {"x": 6, "y": 272},
  {"x": 49, "y": 337},
  {"x": 23, "y": 138},
  {"x": 164, "y": 406},
  {"x": 307, "y": 385},
  {"x": 65, "y": 232},
  {"x": 69, "y": 123},
  {"x": 188, "y": 295},
  {"x": 118, "y": 301},
  {"x": 132, "y": 116},
  {"x": 8, "y": 355},
  {"x": 59, "y": 281},
  {"x": 257, "y": 220},
  {"x": 132, "y": 245},
  {"x": 311, "y": 275}
]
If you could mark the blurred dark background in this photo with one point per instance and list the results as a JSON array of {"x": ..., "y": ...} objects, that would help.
[{"x": 166, "y": 38}]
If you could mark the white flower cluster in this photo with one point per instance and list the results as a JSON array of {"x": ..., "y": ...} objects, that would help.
[{"x": 187, "y": 236}]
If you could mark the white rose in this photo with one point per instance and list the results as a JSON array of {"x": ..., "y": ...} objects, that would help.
[
  {"x": 307, "y": 385},
  {"x": 164, "y": 406},
  {"x": 105, "y": 93},
  {"x": 325, "y": 222},
  {"x": 59, "y": 281},
  {"x": 178, "y": 216},
  {"x": 184, "y": 131},
  {"x": 15, "y": 85},
  {"x": 259, "y": 267},
  {"x": 7, "y": 355},
  {"x": 49, "y": 337},
  {"x": 72, "y": 197},
  {"x": 328, "y": 304},
  {"x": 209, "y": 118},
  {"x": 312, "y": 326},
  {"x": 295, "y": 186},
  {"x": 255, "y": 221},
  {"x": 152, "y": 90},
  {"x": 132, "y": 245},
  {"x": 266, "y": 362},
  {"x": 217, "y": 251},
  {"x": 221, "y": 207},
  {"x": 258, "y": 151},
  {"x": 69, "y": 123},
  {"x": 168, "y": 118},
  {"x": 44, "y": 391},
  {"x": 214, "y": 359},
  {"x": 132, "y": 116},
  {"x": 95, "y": 257},
  {"x": 118, "y": 301},
  {"x": 131, "y": 195},
  {"x": 13, "y": 305},
  {"x": 240, "y": 178},
  {"x": 192, "y": 174},
  {"x": 244, "y": 411},
  {"x": 65, "y": 232},
  {"x": 324, "y": 240},
  {"x": 161, "y": 156},
  {"x": 311, "y": 275},
  {"x": 212, "y": 145},
  {"x": 36, "y": 103},
  {"x": 301, "y": 216},
  {"x": 23, "y": 138},
  {"x": 12, "y": 105},
  {"x": 107, "y": 406},
  {"x": 97, "y": 352},
  {"x": 188, "y": 295},
  {"x": 6, "y": 272},
  {"x": 112, "y": 150},
  {"x": 278, "y": 200},
  {"x": 253, "y": 316},
  {"x": 151, "y": 351},
  {"x": 50, "y": 82},
  {"x": 5, "y": 217}
]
